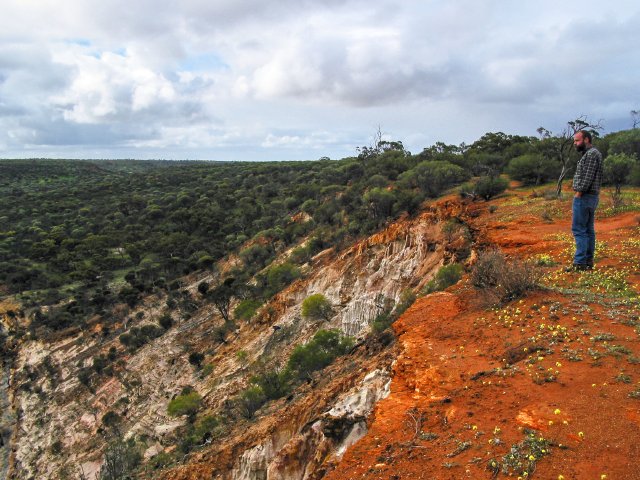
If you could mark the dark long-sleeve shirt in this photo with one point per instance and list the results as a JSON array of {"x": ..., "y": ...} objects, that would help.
[{"x": 588, "y": 177}]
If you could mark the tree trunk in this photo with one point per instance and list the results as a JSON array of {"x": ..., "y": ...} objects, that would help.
[{"x": 563, "y": 173}]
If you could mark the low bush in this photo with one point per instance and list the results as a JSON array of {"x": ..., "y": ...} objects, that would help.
[
  {"x": 383, "y": 321},
  {"x": 321, "y": 350},
  {"x": 246, "y": 309},
  {"x": 137, "y": 337},
  {"x": 185, "y": 404},
  {"x": 446, "y": 276},
  {"x": 488, "y": 187},
  {"x": 317, "y": 307},
  {"x": 407, "y": 298},
  {"x": 506, "y": 280},
  {"x": 532, "y": 169},
  {"x": 484, "y": 187},
  {"x": 250, "y": 400},
  {"x": 271, "y": 384},
  {"x": 195, "y": 359},
  {"x": 274, "y": 383}
]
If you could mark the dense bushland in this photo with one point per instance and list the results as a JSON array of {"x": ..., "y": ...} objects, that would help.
[{"x": 83, "y": 236}]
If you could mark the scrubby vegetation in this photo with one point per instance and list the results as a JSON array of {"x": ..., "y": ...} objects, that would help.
[
  {"x": 504, "y": 279},
  {"x": 445, "y": 277},
  {"x": 316, "y": 307},
  {"x": 83, "y": 236},
  {"x": 186, "y": 403},
  {"x": 273, "y": 383}
]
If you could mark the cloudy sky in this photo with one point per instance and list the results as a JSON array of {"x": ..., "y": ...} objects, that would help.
[{"x": 302, "y": 79}]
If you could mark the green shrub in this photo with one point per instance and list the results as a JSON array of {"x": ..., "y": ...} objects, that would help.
[
  {"x": 165, "y": 321},
  {"x": 447, "y": 275},
  {"x": 251, "y": 400},
  {"x": 121, "y": 457},
  {"x": 433, "y": 177},
  {"x": 256, "y": 256},
  {"x": 321, "y": 350},
  {"x": 196, "y": 358},
  {"x": 317, "y": 307},
  {"x": 488, "y": 187},
  {"x": 185, "y": 404},
  {"x": 533, "y": 169},
  {"x": 382, "y": 321},
  {"x": 407, "y": 298},
  {"x": 111, "y": 419},
  {"x": 279, "y": 276},
  {"x": 99, "y": 363},
  {"x": 161, "y": 460},
  {"x": 273, "y": 383},
  {"x": 246, "y": 309},
  {"x": 300, "y": 255},
  {"x": 206, "y": 370},
  {"x": 634, "y": 176},
  {"x": 380, "y": 202},
  {"x": 84, "y": 376},
  {"x": 617, "y": 169}
]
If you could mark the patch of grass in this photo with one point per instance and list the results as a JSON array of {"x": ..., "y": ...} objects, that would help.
[
  {"x": 635, "y": 394},
  {"x": 544, "y": 260},
  {"x": 603, "y": 337},
  {"x": 461, "y": 447},
  {"x": 608, "y": 280},
  {"x": 623, "y": 378},
  {"x": 523, "y": 456},
  {"x": 617, "y": 350},
  {"x": 573, "y": 356}
]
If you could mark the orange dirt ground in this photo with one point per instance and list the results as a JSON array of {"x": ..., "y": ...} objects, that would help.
[{"x": 553, "y": 378}]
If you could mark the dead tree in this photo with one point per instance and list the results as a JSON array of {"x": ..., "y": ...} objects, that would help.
[{"x": 560, "y": 146}]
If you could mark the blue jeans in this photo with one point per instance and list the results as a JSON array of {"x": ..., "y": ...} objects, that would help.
[{"x": 584, "y": 209}]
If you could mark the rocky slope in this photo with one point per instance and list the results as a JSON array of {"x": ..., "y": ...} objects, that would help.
[
  {"x": 60, "y": 420},
  {"x": 546, "y": 385}
]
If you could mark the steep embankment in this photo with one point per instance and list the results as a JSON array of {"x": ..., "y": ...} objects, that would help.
[
  {"x": 463, "y": 387},
  {"x": 60, "y": 420},
  {"x": 546, "y": 386},
  {"x": 301, "y": 436}
]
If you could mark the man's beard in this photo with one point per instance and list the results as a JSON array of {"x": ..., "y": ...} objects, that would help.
[{"x": 581, "y": 148}]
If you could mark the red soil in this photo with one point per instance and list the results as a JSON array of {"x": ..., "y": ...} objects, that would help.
[{"x": 559, "y": 367}]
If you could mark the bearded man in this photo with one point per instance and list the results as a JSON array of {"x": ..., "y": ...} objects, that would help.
[{"x": 586, "y": 184}]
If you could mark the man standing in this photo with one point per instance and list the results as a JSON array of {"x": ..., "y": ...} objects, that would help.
[{"x": 586, "y": 184}]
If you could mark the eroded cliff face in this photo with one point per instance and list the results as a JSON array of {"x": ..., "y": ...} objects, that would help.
[
  {"x": 305, "y": 454},
  {"x": 59, "y": 419}
]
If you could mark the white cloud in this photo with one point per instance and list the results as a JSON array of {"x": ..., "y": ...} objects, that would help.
[{"x": 204, "y": 77}]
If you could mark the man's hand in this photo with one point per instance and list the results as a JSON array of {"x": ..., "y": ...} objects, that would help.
[{"x": 578, "y": 194}]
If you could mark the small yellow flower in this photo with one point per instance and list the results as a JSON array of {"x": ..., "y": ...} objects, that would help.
[
  {"x": 560, "y": 477},
  {"x": 581, "y": 434},
  {"x": 557, "y": 411}
]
